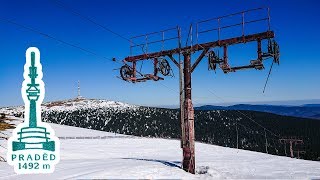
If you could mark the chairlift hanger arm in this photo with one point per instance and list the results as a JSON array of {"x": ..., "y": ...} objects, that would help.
[{"x": 197, "y": 47}]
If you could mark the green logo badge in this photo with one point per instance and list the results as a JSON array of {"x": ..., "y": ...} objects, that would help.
[{"x": 33, "y": 148}]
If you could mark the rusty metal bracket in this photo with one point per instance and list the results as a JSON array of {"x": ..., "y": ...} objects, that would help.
[
  {"x": 173, "y": 60},
  {"x": 204, "y": 52}
]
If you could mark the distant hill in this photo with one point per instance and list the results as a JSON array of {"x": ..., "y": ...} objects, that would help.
[
  {"x": 311, "y": 105},
  {"x": 317, "y": 116},
  {"x": 305, "y": 111}
]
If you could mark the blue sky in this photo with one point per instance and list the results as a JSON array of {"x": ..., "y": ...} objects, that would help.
[{"x": 294, "y": 22}]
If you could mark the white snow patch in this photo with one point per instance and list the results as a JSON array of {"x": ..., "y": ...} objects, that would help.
[{"x": 120, "y": 156}]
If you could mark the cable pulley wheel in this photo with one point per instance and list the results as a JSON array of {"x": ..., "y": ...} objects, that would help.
[
  {"x": 213, "y": 59},
  {"x": 164, "y": 67},
  {"x": 274, "y": 50},
  {"x": 276, "y": 53},
  {"x": 126, "y": 72}
]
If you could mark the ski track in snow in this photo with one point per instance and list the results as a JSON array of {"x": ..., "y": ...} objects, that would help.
[{"x": 121, "y": 156}]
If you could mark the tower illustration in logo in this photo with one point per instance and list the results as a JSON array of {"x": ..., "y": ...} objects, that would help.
[{"x": 33, "y": 148}]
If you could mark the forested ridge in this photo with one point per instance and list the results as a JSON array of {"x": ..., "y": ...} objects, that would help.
[{"x": 217, "y": 127}]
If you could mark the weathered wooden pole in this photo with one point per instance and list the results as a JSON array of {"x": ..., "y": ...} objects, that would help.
[
  {"x": 181, "y": 92},
  {"x": 188, "y": 148}
]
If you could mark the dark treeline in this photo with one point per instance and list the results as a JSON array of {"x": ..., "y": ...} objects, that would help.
[{"x": 217, "y": 127}]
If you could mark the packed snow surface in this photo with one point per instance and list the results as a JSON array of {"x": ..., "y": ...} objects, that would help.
[{"x": 88, "y": 154}]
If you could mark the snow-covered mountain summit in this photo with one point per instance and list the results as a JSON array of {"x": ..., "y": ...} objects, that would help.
[
  {"x": 71, "y": 105},
  {"x": 76, "y": 104}
]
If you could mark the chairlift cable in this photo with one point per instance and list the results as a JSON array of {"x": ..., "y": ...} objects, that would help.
[{"x": 265, "y": 85}]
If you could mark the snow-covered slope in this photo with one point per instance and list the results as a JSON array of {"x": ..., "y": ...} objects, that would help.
[{"x": 98, "y": 154}]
